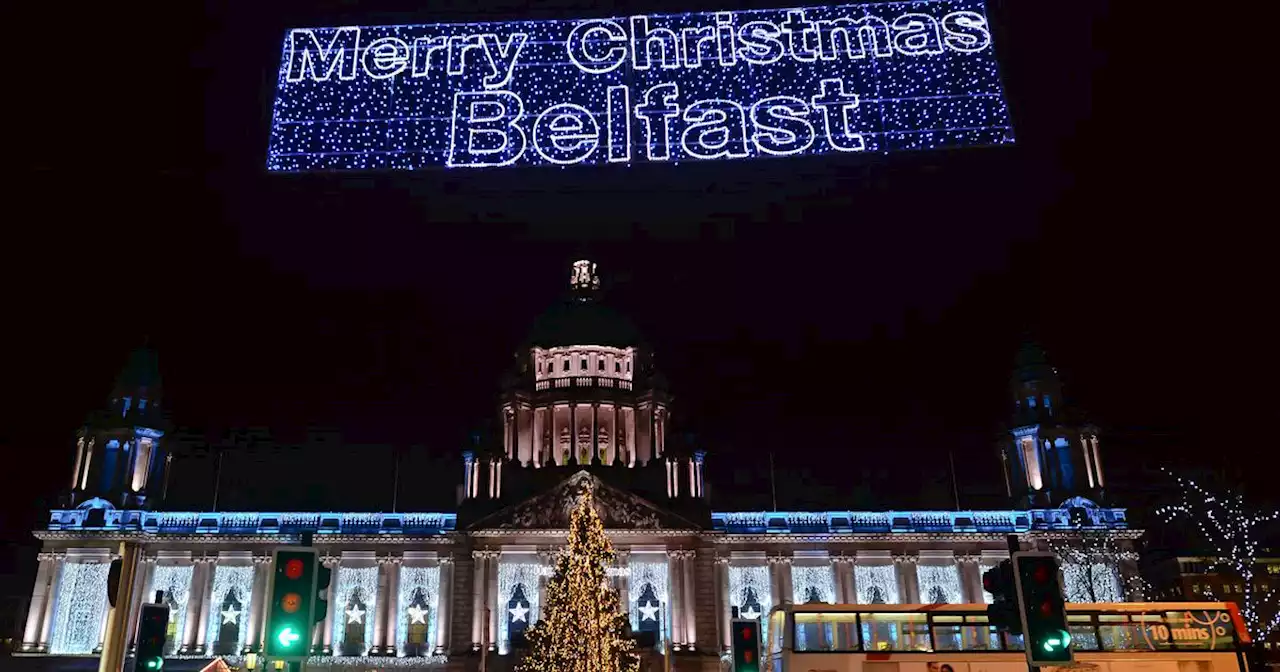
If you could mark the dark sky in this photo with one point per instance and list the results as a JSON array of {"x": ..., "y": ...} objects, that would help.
[{"x": 857, "y": 316}]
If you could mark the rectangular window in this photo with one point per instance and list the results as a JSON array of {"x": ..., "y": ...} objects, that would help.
[
  {"x": 617, "y": 367},
  {"x": 566, "y": 365},
  {"x": 1047, "y": 407},
  {"x": 601, "y": 365},
  {"x": 584, "y": 364},
  {"x": 826, "y": 632},
  {"x": 1031, "y": 402}
]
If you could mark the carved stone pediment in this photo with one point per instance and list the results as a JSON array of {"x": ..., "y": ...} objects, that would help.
[{"x": 551, "y": 509}]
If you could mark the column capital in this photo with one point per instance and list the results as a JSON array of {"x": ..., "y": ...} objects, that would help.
[
  {"x": 390, "y": 559},
  {"x": 843, "y": 559},
  {"x": 261, "y": 559},
  {"x": 486, "y": 554},
  {"x": 446, "y": 559},
  {"x": 908, "y": 558},
  {"x": 967, "y": 559},
  {"x": 722, "y": 560},
  {"x": 330, "y": 561},
  {"x": 779, "y": 559}
]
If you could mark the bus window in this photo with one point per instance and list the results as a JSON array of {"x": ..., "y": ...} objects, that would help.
[
  {"x": 1084, "y": 637},
  {"x": 896, "y": 631},
  {"x": 826, "y": 632},
  {"x": 1116, "y": 633}
]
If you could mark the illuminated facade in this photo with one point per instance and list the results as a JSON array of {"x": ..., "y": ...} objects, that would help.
[{"x": 584, "y": 409}]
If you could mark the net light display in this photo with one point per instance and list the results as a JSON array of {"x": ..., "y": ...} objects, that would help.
[{"x": 853, "y": 78}]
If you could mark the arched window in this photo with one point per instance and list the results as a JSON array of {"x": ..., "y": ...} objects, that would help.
[
  {"x": 517, "y": 616},
  {"x": 649, "y": 612},
  {"x": 419, "y": 619},
  {"x": 229, "y": 614},
  {"x": 354, "y": 612}
]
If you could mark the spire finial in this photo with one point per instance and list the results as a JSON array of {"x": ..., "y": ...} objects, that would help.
[{"x": 583, "y": 279}]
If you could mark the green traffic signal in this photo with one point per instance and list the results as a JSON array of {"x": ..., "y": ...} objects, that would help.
[
  {"x": 1048, "y": 641},
  {"x": 288, "y": 637},
  {"x": 293, "y": 601}
]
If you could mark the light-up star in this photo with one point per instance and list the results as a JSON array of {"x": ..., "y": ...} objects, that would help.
[
  {"x": 751, "y": 613},
  {"x": 417, "y": 615},
  {"x": 355, "y": 614},
  {"x": 230, "y": 615},
  {"x": 650, "y": 612},
  {"x": 519, "y": 612}
]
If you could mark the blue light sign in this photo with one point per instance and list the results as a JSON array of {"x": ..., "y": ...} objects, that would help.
[{"x": 868, "y": 77}]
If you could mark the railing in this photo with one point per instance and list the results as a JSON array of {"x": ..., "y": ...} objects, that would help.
[
  {"x": 881, "y": 522},
  {"x": 250, "y": 522},
  {"x": 582, "y": 381}
]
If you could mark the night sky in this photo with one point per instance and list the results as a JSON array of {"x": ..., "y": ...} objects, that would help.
[{"x": 857, "y": 316}]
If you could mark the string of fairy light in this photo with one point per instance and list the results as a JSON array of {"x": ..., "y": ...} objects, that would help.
[
  {"x": 1225, "y": 523},
  {"x": 582, "y": 625}
]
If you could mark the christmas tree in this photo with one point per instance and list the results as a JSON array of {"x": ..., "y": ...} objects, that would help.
[{"x": 581, "y": 628}]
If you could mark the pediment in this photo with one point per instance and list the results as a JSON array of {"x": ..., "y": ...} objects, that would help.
[{"x": 550, "y": 509}]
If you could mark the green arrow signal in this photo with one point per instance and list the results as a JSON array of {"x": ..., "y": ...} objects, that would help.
[
  {"x": 287, "y": 637},
  {"x": 1064, "y": 639}
]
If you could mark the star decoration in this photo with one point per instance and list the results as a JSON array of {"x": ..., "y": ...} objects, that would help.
[
  {"x": 355, "y": 614},
  {"x": 519, "y": 612},
  {"x": 230, "y": 615},
  {"x": 751, "y": 613},
  {"x": 650, "y": 612},
  {"x": 417, "y": 615}
]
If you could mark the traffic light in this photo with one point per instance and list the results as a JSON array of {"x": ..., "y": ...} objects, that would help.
[
  {"x": 1003, "y": 610},
  {"x": 293, "y": 597},
  {"x": 153, "y": 627},
  {"x": 1044, "y": 617},
  {"x": 746, "y": 645}
]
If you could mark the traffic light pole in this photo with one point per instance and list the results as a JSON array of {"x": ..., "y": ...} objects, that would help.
[
  {"x": 115, "y": 640},
  {"x": 1015, "y": 547}
]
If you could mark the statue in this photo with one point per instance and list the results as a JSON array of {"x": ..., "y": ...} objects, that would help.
[
  {"x": 602, "y": 440},
  {"x": 566, "y": 443},
  {"x": 584, "y": 445}
]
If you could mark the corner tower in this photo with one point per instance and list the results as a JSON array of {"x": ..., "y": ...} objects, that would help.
[
  {"x": 120, "y": 454},
  {"x": 1051, "y": 454}
]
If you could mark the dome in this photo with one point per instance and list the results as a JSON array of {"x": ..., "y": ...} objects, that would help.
[
  {"x": 581, "y": 319},
  {"x": 583, "y": 323}
]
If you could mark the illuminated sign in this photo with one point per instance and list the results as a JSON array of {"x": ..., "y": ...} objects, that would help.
[{"x": 868, "y": 77}]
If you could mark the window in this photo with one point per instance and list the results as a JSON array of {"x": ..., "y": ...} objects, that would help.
[
  {"x": 617, "y": 367},
  {"x": 1047, "y": 407},
  {"x": 601, "y": 366},
  {"x": 584, "y": 364},
  {"x": 566, "y": 365},
  {"x": 1031, "y": 402}
]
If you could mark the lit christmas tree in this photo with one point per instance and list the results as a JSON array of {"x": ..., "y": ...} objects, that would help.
[
  {"x": 1233, "y": 534},
  {"x": 582, "y": 628}
]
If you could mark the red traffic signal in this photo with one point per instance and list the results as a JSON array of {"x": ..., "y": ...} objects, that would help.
[{"x": 293, "y": 569}]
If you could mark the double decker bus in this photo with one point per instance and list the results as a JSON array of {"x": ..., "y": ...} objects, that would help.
[{"x": 1127, "y": 637}]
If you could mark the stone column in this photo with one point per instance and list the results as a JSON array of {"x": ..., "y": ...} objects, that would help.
[
  {"x": 493, "y": 597},
  {"x": 723, "y": 633},
  {"x": 908, "y": 584},
  {"x": 199, "y": 570},
  {"x": 675, "y": 590},
  {"x": 379, "y": 614},
  {"x": 478, "y": 584},
  {"x": 444, "y": 614},
  {"x": 622, "y": 560},
  {"x": 776, "y": 582},
  {"x": 690, "y": 603},
  {"x": 46, "y": 619},
  {"x": 326, "y": 630},
  {"x": 206, "y": 595},
  {"x": 41, "y": 593},
  {"x": 258, "y": 600},
  {"x": 842, "y": 566},
  {"x": 143, "y": 592},
  {"x": 392, "y": 632},
  {"x": 970, "y": 578}
]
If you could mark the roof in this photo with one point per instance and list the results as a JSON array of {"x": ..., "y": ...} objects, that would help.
[{"x": 583, "y": 322}]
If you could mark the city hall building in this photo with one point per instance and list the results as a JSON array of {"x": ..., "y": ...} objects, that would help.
[{"x": 584, "y": 410}]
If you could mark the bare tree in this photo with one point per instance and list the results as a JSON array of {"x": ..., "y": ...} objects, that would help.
[
  {"x": 1091, "y": 567},
  {"x": 1232, "y": 532}
]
